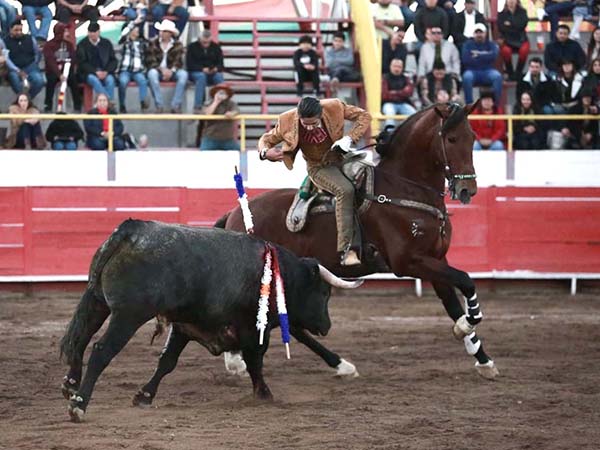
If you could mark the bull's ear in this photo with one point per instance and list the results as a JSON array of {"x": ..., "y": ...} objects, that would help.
[
  {"x": 313, "y": 265},
  {"x": 471, "y": 106}
]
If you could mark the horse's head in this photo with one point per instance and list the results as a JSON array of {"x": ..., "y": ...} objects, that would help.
[{"x": 455, "y": 149}]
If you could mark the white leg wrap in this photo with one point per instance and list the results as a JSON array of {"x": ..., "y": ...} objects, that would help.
[
  {"x": 462, "y": 328},
  {"x": 346, "y": 369},
  {"x": 470, "y": 346},
  {"x": 235, "y": 364}
]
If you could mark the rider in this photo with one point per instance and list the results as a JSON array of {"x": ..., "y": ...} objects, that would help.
[{"x": 316, "y": 127}]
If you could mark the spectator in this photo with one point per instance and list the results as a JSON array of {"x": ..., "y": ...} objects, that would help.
[
  {"x": 582, "y": 10},
  {"x": 593, "y": 48},
  {"x": 220, "y": 134},
  {"x": 204, "y": 62},
  {"x": 429, "y": 17},
  {"x": 478, "y": 58},
  {"x": 442, "y": 96},
  {"x": 528, "y": 135},
  {"x": 393, "y": 48},
  {"x": 563, "y": 48},
  {"x": 8, "y": 15},
  {"x": 136, "y": 11},
  {"x": 23, "y": 59},
  {"x": 66, "y": 9},
  {"x": 588, "y": 128},
  {"x": 463, "y": 23},
  {"x": 132, "y": 65},
  {"x": 56, "y": 53},
  {"x": 565, "y": 90},
  {"x": 34, "y": 8},
  {"x": 306, "y": 64},
  {"x": 97, "y": 62},
  {"x": 339, "y": 60},
  {"x": 591, "y": 83},
  {"x": 25, "y": 133},
  {"x": 388, "y": 18},
  {"x": 3, "y": 61},
  {"x": 489, "y": 134},
  {"x": 64, "y": 134},
  {"x": 555, "y": 9},
  {"x": 409, "y": 15},
  {"x": 162, "y": 8},
  {"x": 438, "y": 50},
  {"x": 536, "y": 82},
  {"x": 396, "y": 92},
  {"x": 438, "y": 80},
  {"x": 512, "y": 22},
  {"x": 164, "y": 59},
  {"x": 97, "y": 129}
]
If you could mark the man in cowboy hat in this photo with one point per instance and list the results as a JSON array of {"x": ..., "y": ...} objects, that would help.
[
  {"x": 219, "y": 134},
  {"x": 204, "y": 62},
  {"x": 164, "y": 59},
  {"x": 317, "y": 129}
]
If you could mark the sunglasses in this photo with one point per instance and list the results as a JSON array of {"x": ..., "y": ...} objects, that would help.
[{"x": 436, "y": 32}]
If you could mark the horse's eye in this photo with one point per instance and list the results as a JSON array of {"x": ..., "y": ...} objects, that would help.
[{"x": 452, "y": 139}]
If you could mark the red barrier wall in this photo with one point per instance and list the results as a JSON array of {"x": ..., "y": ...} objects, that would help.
[{"x": 55, "y": 231}]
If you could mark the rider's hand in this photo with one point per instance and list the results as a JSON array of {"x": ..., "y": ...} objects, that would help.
[{"x": 344, "y": 144}]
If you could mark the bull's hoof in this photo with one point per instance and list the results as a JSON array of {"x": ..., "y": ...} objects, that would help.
[
  {"x": 142, "y": 399},
  {"x": 462, "y": 328},
  {"x": 346, "y": 369},
  {"x": 487, "y": 370},
  {"x": 69, "y": 387},
  {"x": 76, "y": 409},
  {"x": 235, "y": 364}
]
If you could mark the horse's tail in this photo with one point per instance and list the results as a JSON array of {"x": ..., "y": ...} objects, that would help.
[{"x": 222, "y": 221}]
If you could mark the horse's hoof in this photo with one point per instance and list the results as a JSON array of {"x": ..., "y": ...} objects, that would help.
[
  {"x": 263, "y": 395},
  {"x": 487, "y": 370},
  {"x": 346, "y": 369},
  {"x": 235, "y": 364},
  {"x": 76, "y": 413},
  {"x": 462, "y": 328},
  {"x": 69, "y": 387},
  {"x": 142, "y": 399}
]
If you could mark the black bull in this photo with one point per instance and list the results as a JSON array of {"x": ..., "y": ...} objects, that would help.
[{"x": 205, "y": 281}]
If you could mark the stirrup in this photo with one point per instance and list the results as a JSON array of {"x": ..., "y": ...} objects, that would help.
[{"x": 350, "y": 258}]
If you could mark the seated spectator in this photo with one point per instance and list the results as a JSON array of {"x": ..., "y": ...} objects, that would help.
[
  {"x": 478, "y": 58},
  {"x": 528, "y": 134},
  {"x": 220, "y": 134},
  {"x": 463, "y": 23},
  {"x": 66, "y": 9},
  {"x": 306, "y": 65},
  {"x": 64, "y": 134},
  {"x": 25, "y": 133},
  {"x": 555, "y": 9},
  {"x": 409, "y": 14},
  {"x": 56, "y": 53},
  {"x": 204, "y": 62},
  {"x": 31, "y": 10},
  {"x": 164, "y": 60},
  {"x": 563, "y": 48},
  {"x": 96, "y": 62},
  {"x": 537, "y": 82},
  {"x": 435, "y": 81},
  {"x": 97, "y": 129},
  {"x": 565, "y": 90},
  {"x": 8, "y": 15},
  {"x": 136, "y": 11},
  {"x": 431, "y": 16},
  {"x": 583, "y": 10},
  {"x": 438, "y": 50},
  {"x": 162, "y": 8},
  {"x": 442, "y": 96},
  {"x": 387, "y": 17},
  {"x": 588, "y": 128},
  {"x": 489, "y": 134},
  {"x": 396, "y": 92},
  {"x": 393, "y": 48},
  {"x": 593, "y": 48},
  {"x": 339, "y": 60},
  {"x": 591, "y": 83},
  {"x": 512, "y": 22},
  {"x": 23, "y": 61},
  {"x": 3, "y": 61},
  {"x": 132, "y": 65}
]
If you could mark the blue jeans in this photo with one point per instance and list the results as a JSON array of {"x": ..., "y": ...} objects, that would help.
[
  {"x": 100, "y": 143},
  {"x": 219, "y": 144},
  {"x": 202, "y": 80},
  {"x": 409, "y": 16},
  {"x": 27, "y": 136},
  {"x": 496, "y": 145},
  {"x": 554, "y": 109},
  {"x": 139, "y": 78},
  {"x": 554, "y": 11},
  {"x": 159, "y": 11},
  {"x": 8, "y": 14},
  {"x": 154, "y": 79},
  {"x": 132, "y": 13},
  {"x": 30, "y": 13},
  {"x": 64, "y": 145},
  {"x": 390, "y": 109},
  {"x": 485, "y": 77},
  {"x": 35, "y": 78},
  {"x": 106, "y": 86}
]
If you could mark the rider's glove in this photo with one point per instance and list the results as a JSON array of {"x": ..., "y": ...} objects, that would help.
[{"x": 344, "y": 144}]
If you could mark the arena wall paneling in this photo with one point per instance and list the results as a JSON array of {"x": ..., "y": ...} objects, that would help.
[{"x": 12, "y": 231}]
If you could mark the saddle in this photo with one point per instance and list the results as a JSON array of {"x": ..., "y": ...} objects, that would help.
[{"x": 309, "y": 200}]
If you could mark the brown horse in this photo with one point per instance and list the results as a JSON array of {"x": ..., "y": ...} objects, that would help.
[{"x": 407, "y": 226}]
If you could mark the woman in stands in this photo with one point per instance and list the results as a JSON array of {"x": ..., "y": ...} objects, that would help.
[
  {"x": 592, "y": 80},
  {"x": 97, "y": 129},
  {"x": 528, "y": 134},
  {"x": 25, "y": 133},
  {"x": 593, "y": 49}
]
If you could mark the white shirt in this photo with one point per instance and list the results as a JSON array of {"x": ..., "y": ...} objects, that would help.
[
  {"x": 469, "y": 24},
  {"x": 392, "y": 12},
  {"x": 165, "y": 50}
]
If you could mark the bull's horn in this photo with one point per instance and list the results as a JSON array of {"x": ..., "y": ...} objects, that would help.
[{"x": 335, "y": 281}]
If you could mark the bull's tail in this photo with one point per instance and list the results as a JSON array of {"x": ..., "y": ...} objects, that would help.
[
  {"x": 92, "y": 306},
  {"x": 222, "y": 221}
]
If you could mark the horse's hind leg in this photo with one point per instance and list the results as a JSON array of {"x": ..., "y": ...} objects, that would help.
[
  {"x": 121, "y": 328},
  {"x": 176, "y": 342}
]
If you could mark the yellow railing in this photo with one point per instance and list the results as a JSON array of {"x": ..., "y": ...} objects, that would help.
[{"x": 243, "y": 118}]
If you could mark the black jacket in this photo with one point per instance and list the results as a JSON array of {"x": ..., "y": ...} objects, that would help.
[
  {"x": 556, "y": 52},
  {"x": 198, "y": 57},
  {"x": 458, "y": 26},
  {"x": 64, "y": 130},
  {"x": 93, "y": 127},
  {"x": 85, "y": 57},
  {"x": 388, "y": 54},
  {"x": 514, "y": 33},
  {"x": 36, "y": 3},
  {"x": 542, "y": 92},
  {"x": 427, "y": 18},
  {"x": 314, "y": 59}
]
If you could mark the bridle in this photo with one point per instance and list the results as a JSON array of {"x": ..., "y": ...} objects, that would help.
[{"x": 448, "y": 174}]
